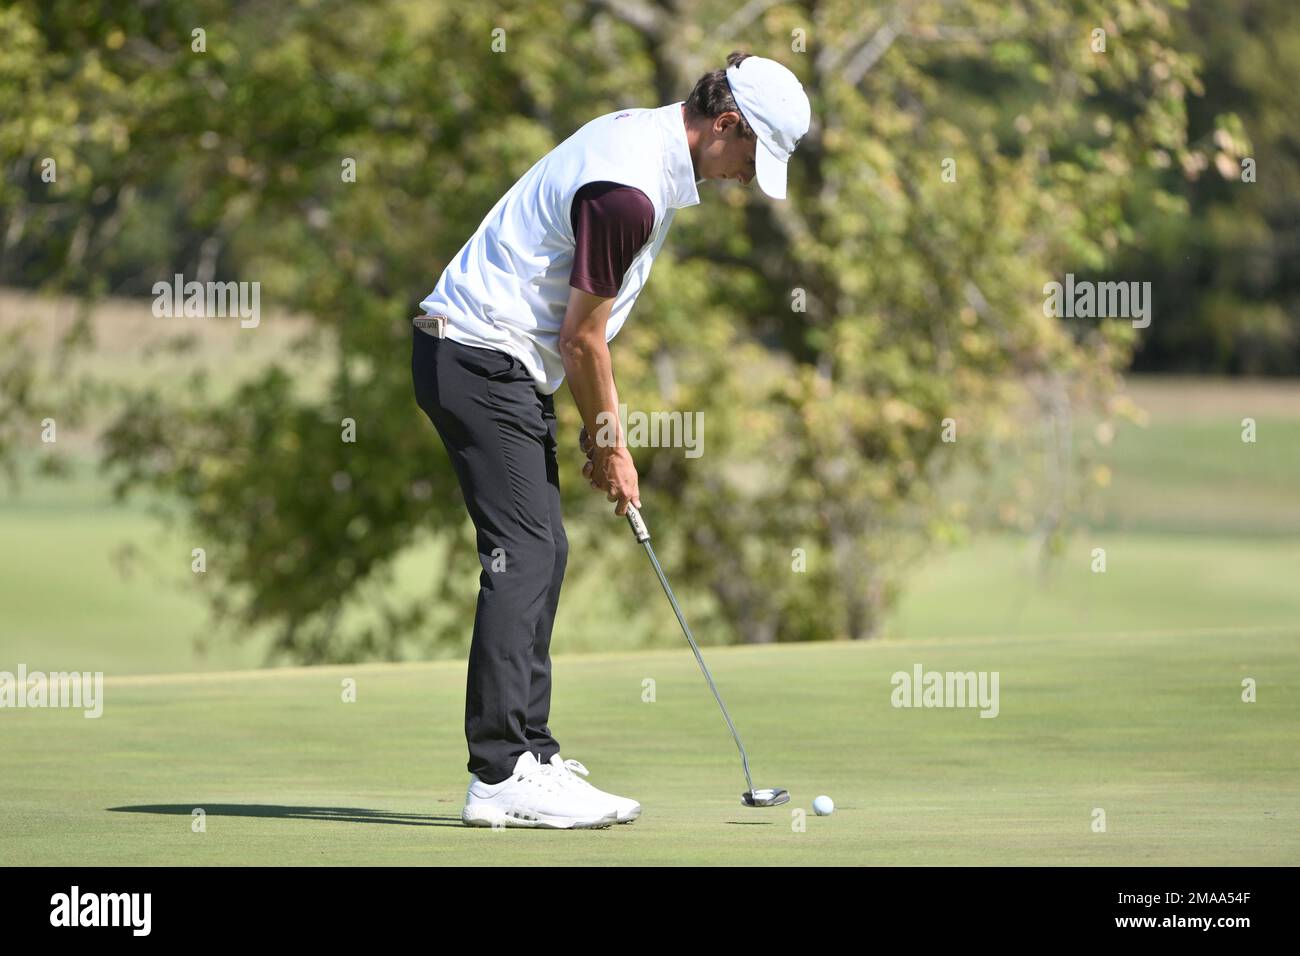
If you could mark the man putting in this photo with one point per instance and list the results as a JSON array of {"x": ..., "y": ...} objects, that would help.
[{"x": 533, "y": 298}]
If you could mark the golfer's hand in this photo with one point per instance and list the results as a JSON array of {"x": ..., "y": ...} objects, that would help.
[
  {"x": 585, "y": 443},
  {"x": 612, "y": 471}
]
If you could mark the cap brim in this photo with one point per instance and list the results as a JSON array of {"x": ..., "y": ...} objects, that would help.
[{"x": 770, "y": 171}]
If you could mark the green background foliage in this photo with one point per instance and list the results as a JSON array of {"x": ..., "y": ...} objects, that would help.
[{"x": 825, "y": 340}]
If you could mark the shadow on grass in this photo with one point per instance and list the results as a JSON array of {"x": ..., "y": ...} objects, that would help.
[{"x": 331, "y": 814}]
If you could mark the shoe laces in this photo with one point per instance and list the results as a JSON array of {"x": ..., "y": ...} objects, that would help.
[
  {"x": 574, "y": 767},
  {"x": 567, "y": 774},
  {"x": 546, "y": 771}
]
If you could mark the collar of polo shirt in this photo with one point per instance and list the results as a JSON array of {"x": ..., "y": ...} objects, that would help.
[{"x": 677, "y": 157}]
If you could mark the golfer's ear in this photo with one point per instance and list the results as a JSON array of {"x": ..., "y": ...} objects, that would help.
[{"x": 585, "y": 316}]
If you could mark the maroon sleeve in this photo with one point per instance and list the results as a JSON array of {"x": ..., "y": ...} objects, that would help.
[{"x": 611, "y": 223}]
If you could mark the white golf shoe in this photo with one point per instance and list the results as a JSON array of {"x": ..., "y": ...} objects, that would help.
[
  {"x": 534, "y": 795},
  {"x": 625, "y": 808}
]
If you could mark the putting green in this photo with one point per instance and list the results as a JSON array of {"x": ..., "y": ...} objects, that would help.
[{"x": 1148, "y": 727}]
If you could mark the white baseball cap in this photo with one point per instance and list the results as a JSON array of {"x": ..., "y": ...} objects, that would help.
[{"x": 775, "y": 106}]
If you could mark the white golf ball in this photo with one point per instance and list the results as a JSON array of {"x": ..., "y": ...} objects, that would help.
[{"x": 823, "y": 806}]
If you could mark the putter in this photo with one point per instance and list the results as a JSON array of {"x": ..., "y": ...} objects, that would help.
[{"x": 767, "y": 797}]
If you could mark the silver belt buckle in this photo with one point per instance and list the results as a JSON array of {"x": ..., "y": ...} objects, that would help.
[{"x": 433, "y": 324}]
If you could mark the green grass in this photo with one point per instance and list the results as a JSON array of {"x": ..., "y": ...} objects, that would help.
[
  {"x": 1152, "y": 582},
  {"x": 1148, "y": 728},
  {"x": 98, "y": 586},
  {"x": 1193, "y": 476},
  {"x": 1119, "y": 691}
]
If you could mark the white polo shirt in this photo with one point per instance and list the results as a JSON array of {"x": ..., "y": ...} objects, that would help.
[{"x": 508, "y": 287}]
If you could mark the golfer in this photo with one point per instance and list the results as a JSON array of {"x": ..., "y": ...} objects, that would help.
[{"x": 532, "y": 299}]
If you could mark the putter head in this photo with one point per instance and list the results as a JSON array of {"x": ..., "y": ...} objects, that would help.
[{"x": 770, "y": 797}]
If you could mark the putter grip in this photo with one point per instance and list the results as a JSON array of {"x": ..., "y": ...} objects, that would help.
[{"x": 638, "y": 526}]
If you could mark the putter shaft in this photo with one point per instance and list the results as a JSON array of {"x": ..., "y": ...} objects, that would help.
[{"x": 643, "y": 536}]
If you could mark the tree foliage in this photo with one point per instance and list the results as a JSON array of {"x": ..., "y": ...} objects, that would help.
[{"x": 826, "y": 340}]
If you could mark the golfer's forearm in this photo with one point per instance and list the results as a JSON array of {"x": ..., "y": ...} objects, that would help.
[{"x": 590, "y": 373}]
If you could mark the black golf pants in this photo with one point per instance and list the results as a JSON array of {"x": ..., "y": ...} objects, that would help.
[{"x": 500, "y": 433}]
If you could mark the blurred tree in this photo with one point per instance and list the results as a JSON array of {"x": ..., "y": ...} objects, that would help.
[
  {"x": 1226, "y": 258},
  {"x": 832, "y": 342}
]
